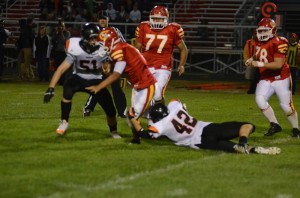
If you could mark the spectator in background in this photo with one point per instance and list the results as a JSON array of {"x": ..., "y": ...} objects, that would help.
[
  {"x": 78, "y": 18},
  {"x": 25, "y": 44},
  {"x": 85, "y": 15},
  {"x": 58, "y": 52},
  {"x": 130, "y": 29},
  {"x": 69, "y": 6},
  {"x": 135, "y": 14},
  {"x": 293, "y": 59},
  {"x": 111, "y": 12},
  {"x": 41, "y": 52},
  {"x": 4, "y": 34},
  {"x": 122, "y": 14}
]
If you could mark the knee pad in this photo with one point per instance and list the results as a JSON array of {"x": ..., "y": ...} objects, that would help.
[{"x": 261, "y": 102}]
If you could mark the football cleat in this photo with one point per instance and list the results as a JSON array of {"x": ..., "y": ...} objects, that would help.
[
  {"x": 296, "y": 133},
  {"x": 115, "y": 135},
  {"x": 267, "y": 150},
  {"x": 86, "y": 112},
  {"x": 241, "y": 148},
  {"x": 274, "y": 128},
  {"x": 62, "y": 127},
  {"x": 135, "y": 140}
]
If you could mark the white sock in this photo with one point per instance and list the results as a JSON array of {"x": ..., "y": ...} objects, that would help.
[
  {"x": 293, "y": 119},
  {"x": 270, "y": 115}
]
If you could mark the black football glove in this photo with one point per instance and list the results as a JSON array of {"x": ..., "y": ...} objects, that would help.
[
  {"x": 48, "y": 95},
  {"x": 145, "y": 134},
  {"x": 136, "y": 138}
]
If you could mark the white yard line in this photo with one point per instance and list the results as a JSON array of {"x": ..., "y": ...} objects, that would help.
[{"x": 122, "y": 182}]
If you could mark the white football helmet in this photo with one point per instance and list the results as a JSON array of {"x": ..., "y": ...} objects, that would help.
[{"x": 266, "y": 29}]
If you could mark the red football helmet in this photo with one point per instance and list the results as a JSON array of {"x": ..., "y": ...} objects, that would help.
[
  {"x": 109, "y": 38},
  {"x": 266, "y": 29},
  {"x": 157, "y": 13}
]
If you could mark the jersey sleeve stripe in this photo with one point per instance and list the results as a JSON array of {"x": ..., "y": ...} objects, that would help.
[
  {"x": 67, "y": 44},
  {"x": 119, "y": 56},
  {"x": 117, "y": 52},
  {"x": 137, "y": 32}
]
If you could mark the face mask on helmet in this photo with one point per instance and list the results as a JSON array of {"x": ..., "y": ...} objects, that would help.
[
  {"x": 89, "y": 34},
  {"x": 109, "y": 38},
  {"x": 158, "y": 18},
  {"x": 158, "y": 112},
  {"x": 266, "y": 29},
  {"x": 103, "y": 51},
  {"x": 89, "y": 46}
]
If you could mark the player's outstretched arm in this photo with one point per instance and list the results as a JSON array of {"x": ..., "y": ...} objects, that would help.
[
  {"x": 110, "y": 79},
  {"x": 57, "y": 75}
]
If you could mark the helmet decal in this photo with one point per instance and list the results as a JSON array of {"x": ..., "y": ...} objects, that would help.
[{"x": 109, "y": 38}]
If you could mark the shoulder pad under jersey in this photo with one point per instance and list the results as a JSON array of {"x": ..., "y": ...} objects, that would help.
[
  {"x": 282, "y": 39},
  {"x": 73, "y": 46},
  {"x": 144, "y": 22},
  {"x": 175, "y": 25}
]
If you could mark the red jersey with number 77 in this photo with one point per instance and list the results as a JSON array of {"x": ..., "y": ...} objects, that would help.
[
  {"x": 158, "y": 45},
  {"x": 136, "y": 66}
]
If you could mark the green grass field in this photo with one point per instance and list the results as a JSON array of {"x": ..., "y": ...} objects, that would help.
[{"x": 86, "y": 162}]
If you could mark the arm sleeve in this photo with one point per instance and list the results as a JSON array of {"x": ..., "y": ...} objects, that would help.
[
  {"x": 70, "y": 59},
  {"x": 120, "y": 66}
]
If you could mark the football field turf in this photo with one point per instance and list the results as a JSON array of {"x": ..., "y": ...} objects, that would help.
[{"x": 87, "y": 162}]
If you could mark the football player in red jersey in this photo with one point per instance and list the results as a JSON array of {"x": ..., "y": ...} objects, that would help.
[
  {"x": 156, "y": 39},
  {"x": 128, "y": 59},
  {"x": 274, "y": 76}
]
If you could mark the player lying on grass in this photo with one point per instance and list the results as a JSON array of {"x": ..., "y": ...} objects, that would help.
[{"x": 174, "y": 122}]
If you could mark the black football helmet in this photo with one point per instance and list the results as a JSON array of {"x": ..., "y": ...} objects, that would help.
[
  {"x": 158, "y": 112},
  {"x": 89, "y": 31}
]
